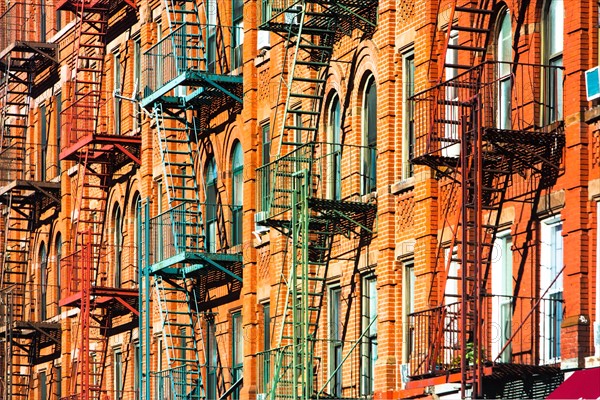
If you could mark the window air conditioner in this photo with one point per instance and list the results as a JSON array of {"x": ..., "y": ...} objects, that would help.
[{"x": 592, "y": 83}]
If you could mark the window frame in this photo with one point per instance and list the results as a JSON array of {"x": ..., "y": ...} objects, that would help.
[
  {"x": 553, "y": 108},
  {"x": 369, "y": 137},
  {"x": 504, "y": 74},
  {"x": 43, "y": 262},
  {"x": 334, "y": 137},
  {"x": 408, "y": 307},
  {"x": 237, "y": 351},
  {"x": 408, "y": 112},
  {"x": 210, "y": 232},
  {"x": 502, "y": 296},
  {"x": 552, "y": 304},
  {"x": 237, "y": 193},
  {"x": 335, "y": 340},
  {"x": 369, "y": 345}
]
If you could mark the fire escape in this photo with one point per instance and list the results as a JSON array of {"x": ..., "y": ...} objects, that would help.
[
  {"x": 98, "y": 154},
  {"x": 477, "y": 154},
  {"x": 190, "y": 76},
  {"x": 25, "y": 197},
  {"x": 301, "y": 192}
]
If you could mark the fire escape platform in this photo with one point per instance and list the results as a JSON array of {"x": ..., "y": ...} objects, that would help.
[
  {"x": 105, "y": 144},
  {"x": 91, "y": 5},
  {"x": 194, "y": 263},
  {"x": 119, "y": 301},
  {"x": 42, "y": 49},
  {"x": 207, "y": 86},
  {"x": 41, "y": 336},
  {"x": 502, "y": 372},
  {"x": 28, "y": 191}
]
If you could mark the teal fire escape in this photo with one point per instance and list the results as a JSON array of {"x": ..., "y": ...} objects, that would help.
[
  {"x": 190, "y": 77},
  {"x": 311, "y": 191}
]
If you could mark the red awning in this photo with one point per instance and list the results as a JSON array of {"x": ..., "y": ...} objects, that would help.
[{"x": 583, "y": 384}]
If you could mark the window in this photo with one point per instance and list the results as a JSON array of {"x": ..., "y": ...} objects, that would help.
[
  {"x": 117, "y": 88},
  {"x": 266, "y": 159},
  {"x": 237, "y": 351},
  {"x": 58, "y": 129},
  {"x": 117, "y": 244},
  {"x": 211, "y": 367},
  {"x": 502, "y": 296},
  {"x": 408, "y": 90},
  {"x": 266, "y": 344},
  {"x": 136, "y": 368},
  {"x": 136, "y": 211},
  {"x": 211, "y": 35},
  {"x": 369, "y": 327},
  {"x": 43, "y": 260},
  {"x": 58, "y": 250},
  {"x": 238, "y": 33},
  {"x": 551, "y": 279},
  {"x": 334, "y": 120},
  {"x": 137, "y": 73},
  {"x": 237, "y": 191},
  {"x": 211, "y": 207},
  {"x": 553, "y": 49},
  {"x": 369, "y": 126},
  {"x": 118, "y": 372},
  {"x": 335, "y": 341},
  {"x": 43, "y": 20},
  {"x": 504, "y": 57},
  {"x": 408, "y": 307},
  {"x": 43, "y": 141},
  {"x": 43, "y": 385}
]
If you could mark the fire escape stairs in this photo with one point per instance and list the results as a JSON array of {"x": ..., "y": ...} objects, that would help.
[{"x": 310, "y": 30}]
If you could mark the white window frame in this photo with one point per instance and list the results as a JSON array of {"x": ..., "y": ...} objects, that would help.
[
  {"x": 408, "y": 307},
  {"x": 551, "y": 263},
  {"x": 451, "y": 130},
  {"x": 554, "y": 58},
  {"x": 335, "y": 340},
  {"x": 369, "y": 343},
  {"x": 502, "y": 292},
  {"x": 504, "y": 43},
  {"x": 334, "y": 137},
  {"x": 368, "y": 156}
]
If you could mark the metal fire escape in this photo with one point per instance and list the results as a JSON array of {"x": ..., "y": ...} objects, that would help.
[
  {"x": 297, "y": 196},
  {"x": 98, "y": 154},
  {"x": 475, "y": 155},
  {"x": 25, "y": 196},
  {"x": 190, "y": 76}
]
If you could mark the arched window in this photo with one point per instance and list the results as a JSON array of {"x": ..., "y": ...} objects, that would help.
[
  {"x": 553, "y": 56},
  {"x": 504, "y": 57},
  {"x": 136, "y": 228},
  {"x": 58, "y": 252},
  {"x": 237, "y": 193},
  {"x": 43, "y": 260},
  {"x": 369, "y": 127},
  {"x": 334, "y": 128},
  {"x": 211, "y": 207},
  {"x": 117, "y": 244}
]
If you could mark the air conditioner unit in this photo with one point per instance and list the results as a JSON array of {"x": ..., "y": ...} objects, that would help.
[
  {"x": 263, "y": 40},
  {"x": 259, "y": 218},
  {"x": 592, "y": 83}
]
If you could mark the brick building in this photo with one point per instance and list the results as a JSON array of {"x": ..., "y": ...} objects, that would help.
[{"x": 277, "y": 199}]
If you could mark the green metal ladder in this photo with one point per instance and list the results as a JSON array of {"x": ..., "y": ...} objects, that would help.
[
  {"x": 186, "y": 34},
  {"x": 180, "y": 338}
]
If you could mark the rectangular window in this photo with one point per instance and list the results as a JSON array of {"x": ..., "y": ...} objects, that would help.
[
  {"x": 369, "y": 327},
  {"x": 335, "y": 341},
  {"x": 211, "y": 367},
  {"x": 238, "y": 33},
  {"x": 266, "y": 344},
  {"x": 266, "y": 159},
  {"x": 408, "y": 90},
  {"x": 502, "y": 296},
  {"x": 551, "y": 282},
  {"x": 408, "y": 307},
  {"x": 211, "y": 35},
  {"x": 43, "y": 154},
  {"x": 137, "y": 73},
  {"x": 452, "y": 118},
  {"x": 58, "y": 130},
  {"x": 43, "y": 385},
  {"x": 118, "y": 372},
  {"x": 237, "y": 351},
  {"x": 117, "y": 88}
]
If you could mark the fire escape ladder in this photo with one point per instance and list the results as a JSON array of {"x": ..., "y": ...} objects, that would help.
[
  {"x": 181, "y": 338},
  {"x": 16, "y": 88}
]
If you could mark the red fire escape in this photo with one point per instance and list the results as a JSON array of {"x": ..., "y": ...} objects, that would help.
[
  {"x": 476, "y": 158},
  {"x": 26, "y": 339},
  {"x": 98, "y": 153}
]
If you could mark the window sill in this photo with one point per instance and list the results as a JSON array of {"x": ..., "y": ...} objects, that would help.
[{"x": 403, "y": 185}]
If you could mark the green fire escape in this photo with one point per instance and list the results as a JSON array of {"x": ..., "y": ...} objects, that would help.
[
  {"x": 189, "y": 78},
  {"x": 301, "y": 190}
]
